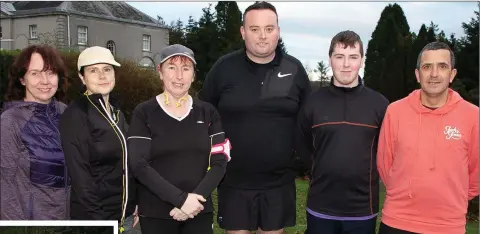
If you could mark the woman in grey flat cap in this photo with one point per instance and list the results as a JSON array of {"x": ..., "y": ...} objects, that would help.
[{"x": 177, "y": 150}]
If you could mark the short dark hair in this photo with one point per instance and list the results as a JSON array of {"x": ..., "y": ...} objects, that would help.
[
  {"x": 82, "y": 69},
  {"x": 51, "y": 61},
  {"x": 260, "y": 5},
  {"x": 348, "y": 39},
  {"x": 437, "y": 45}
]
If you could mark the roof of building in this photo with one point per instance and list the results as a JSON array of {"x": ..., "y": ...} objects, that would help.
[
  {"x": 7, "y": 8},
  {"x": 119, "y": 11}
]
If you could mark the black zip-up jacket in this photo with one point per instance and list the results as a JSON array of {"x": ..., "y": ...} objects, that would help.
[
  {"x": 258, "y": 104},
  {"x": 338, "y": 138},
  {"x": 95, "y": 153}
]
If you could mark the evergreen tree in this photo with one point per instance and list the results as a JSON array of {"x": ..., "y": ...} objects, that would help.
[
  {"x": 418, "y": 43},
  {"x": 176, "y": 33},
  {"x": 432, "y": 32},
  {"x": 228, "y": 21},
  {"x": 322, "y": 70},
  {"x": 207, "y": 48},
  {"x": 282, "y": 46},
  {"x": 191, "y": 33},
  {"x": 453, "y": 43},
  {"x": 388, "y": 53},
  {"x": 467, "y": 59}
]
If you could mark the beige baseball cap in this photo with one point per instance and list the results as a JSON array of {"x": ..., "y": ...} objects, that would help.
[{"x": 96, "y": 54}]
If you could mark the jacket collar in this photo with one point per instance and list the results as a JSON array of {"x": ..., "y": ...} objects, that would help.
[
  {"x": 253, "y": 66},
  {"x": 98, "y": 98},
  {"x": 346, "y": 90}
]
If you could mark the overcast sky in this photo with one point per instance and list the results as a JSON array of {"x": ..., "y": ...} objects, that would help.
[{"x": 308, "y": 27}]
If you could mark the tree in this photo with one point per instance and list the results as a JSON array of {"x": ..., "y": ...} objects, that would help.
[
  {"x": 191, "y": 33},
  {"x": 432, "y": 32},
  {"x": 228, "y": 21},
  {"x": 467, "y": 59},
  {"x": 388, "y": 53},
  {"x": 176, "y": 33},
  {"x": 206, "y": 46},
  {"x": 419, "y": 42},
  {"x": 322, "y": 70},
  {"x": 282, "y": 46},
  {"x": 452, "y": 42}
]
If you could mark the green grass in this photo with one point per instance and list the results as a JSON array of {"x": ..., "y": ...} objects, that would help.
[{"x": 302, "y": 190}]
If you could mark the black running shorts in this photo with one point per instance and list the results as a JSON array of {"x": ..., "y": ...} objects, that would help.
[{"x": 269, "y": 209}]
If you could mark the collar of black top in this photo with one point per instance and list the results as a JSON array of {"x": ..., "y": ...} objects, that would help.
[
  {"x": 347, "y": 90},
  {"x": 96, "y": 98},
  {"x": 275, "y": 62}
]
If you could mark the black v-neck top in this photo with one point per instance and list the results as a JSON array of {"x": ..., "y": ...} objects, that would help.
[{"x": 170, "y": 157}]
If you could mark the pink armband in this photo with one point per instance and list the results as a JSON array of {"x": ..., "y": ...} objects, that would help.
[{"x": 223, "y": 148}]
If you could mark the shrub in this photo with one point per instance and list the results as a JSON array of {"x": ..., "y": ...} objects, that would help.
[{"x": 6, "y": 59}]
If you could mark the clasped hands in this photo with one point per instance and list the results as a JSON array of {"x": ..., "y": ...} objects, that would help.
[{"x": 190, "y": 208}]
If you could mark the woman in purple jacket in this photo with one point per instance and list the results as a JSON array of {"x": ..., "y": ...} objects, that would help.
[{"x": 34, "y": 185}]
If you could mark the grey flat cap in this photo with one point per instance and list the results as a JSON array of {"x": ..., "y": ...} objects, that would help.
[{"x": 174, "y": 50}]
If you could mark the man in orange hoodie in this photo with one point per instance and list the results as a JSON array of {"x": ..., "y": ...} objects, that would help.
[{"x": 428, "y": 152}]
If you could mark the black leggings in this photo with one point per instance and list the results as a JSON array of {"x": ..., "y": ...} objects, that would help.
[{"x": 202, "y": 223}]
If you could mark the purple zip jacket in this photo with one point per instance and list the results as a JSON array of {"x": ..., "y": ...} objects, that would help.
[{"x": 33, "y": 169}]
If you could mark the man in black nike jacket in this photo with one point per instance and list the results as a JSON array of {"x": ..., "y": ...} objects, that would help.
[{"x": 258, "y": 92}]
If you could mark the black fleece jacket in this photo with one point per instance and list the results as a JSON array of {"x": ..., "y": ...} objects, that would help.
[
  {"x": 96, "y": 156},
  {"x": 337, "y": 140}
]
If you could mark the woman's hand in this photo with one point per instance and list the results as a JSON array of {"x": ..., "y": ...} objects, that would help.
[
  {"x": 192, "y": 205},
  {"x": 178, "y": 214}
]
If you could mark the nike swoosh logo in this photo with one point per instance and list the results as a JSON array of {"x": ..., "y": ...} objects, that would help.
[{"x": 280, "y": 75}]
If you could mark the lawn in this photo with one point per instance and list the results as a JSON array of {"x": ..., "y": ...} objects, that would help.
[{"x": 302, "y": 190}]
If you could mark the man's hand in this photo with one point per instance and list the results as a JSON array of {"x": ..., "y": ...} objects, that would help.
[
  {"x": 192, "y": 205},
  {"x": 178, "y": 214}
]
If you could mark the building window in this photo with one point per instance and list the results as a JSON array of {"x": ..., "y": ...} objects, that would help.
[
  {"x": 82, "y": 35},
  {"x": 146, "y": 42},
  {"x": 33, "y": 31},
  {"x": 146, "y": 62},
  {"x": 111, "y": 47}
]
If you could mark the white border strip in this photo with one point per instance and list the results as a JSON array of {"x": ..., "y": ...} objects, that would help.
[{"x": 59, "y": 223}]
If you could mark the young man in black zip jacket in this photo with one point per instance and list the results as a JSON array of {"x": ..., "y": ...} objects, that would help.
[
  {"x": 338, "y": 135},
  {"x": 93, "y": 132},
  {"x": 258, "y": 91}
]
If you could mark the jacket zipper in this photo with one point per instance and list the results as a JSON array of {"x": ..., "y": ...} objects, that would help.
[
  {"x": 123, "y": 142},
  {"x": 266, "y": 81},
  {"x": 65, "y": 172}
]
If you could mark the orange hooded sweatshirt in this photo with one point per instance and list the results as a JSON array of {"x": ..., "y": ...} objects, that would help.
[{"x": 428, "y": 161}]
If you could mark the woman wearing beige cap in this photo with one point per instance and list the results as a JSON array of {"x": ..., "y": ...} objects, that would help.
[
  {"x": 177, "y": 151},
  {"x": 93, "y": 132}
]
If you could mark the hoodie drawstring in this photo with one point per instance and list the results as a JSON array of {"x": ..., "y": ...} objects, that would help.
[
  {"x": 432, "y": 167},
  {"x": 416, "y": 155}
]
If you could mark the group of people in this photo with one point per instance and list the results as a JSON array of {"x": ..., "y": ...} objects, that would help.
[{"x": 255, "y": 112}]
